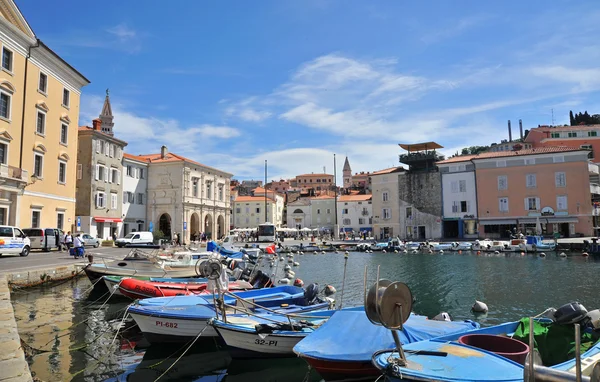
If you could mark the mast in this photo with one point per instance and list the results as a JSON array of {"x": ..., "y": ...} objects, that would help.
[
  {"x": 265, "y": 187},
  {"x": 336, "y": 228}
]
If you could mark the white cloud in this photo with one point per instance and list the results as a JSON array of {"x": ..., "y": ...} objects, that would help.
[{"x": 122, "y": 32}]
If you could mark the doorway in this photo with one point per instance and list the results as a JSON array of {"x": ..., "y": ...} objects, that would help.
[{"x": 164, "y": 225}]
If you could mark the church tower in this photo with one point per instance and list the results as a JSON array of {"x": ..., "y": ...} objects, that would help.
[
  {"x": 347, "y": 174},
  {"x": 106, "y": 117}
]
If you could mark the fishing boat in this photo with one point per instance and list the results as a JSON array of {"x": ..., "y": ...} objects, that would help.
[
  {"x": 536, "y": 243},
  {"x": 441, "y": 246},
  {"x": 342, "y": 347},
  {"x": 516, "y": 245},
  {"x": 413, "y": 246},
  {"x": 498, "y": 353},
  {"x": 112, "y": 282},
  {"x": 462, "y": 246},
  {"x": 183, "y": 318},
  {"x": 269, "y": 335},
  {"x": 488, "y": 245},
  {"x": 140, "y": 289}
]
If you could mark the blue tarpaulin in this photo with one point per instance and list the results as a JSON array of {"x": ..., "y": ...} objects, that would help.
[{"x": 350, "y": 336}]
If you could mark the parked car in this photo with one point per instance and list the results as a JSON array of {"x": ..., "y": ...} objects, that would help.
[
  {"x": 13, "y": 241},
  {"x": 89, "y": 240},
  {"x": 43, "y": 238},
  {"x": 135, "y": 238}
]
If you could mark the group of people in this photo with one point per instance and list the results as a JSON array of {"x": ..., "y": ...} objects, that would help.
[{"x": 68, "y": 241}]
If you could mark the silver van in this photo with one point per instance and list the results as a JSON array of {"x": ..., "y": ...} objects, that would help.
[{"x": 43, "y": 238}]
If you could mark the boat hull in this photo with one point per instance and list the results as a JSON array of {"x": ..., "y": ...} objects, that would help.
[
  {"x": 96, "y": 272},
  {"x": 172, "y": 330},
  {"x": 343, "y": 370},
  {"x": 245, "y": 344}
]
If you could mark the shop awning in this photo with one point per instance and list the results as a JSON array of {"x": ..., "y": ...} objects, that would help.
[
  {"x": 498, "y": 222},
  {"x": 550, "y": 220},
  {"x": 366, "y": 229},
  {"x": 107, "y": 220}
]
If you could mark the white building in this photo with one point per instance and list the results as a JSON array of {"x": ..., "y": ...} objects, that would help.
[
  {"x": 186, "y": 197},
  {"x": 135, "y": 188},
  {"x": 279, "y": 200},
  {"x": 459, "y": 198},
  {"x": 299, "y": 214},
  {"x": 249, "y": 211},
  {"x": 322, "y": 212},
  {"x": 355, "y": 213},
  {"x": 386, "y": 203}
]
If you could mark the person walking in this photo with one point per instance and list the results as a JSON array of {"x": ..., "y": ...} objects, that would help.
[
  {"x": 59, "y": 240},
  {"x": 68, "y": 240},
  {"x": 78, "y": 245}
]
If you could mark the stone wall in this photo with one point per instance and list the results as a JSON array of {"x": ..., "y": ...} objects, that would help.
[{"x": 421, "y": 191}]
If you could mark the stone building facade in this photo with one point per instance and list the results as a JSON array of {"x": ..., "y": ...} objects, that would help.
[{"x": 420, "y": 205}]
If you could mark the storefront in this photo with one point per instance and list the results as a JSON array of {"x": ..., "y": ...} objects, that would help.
[
  {"x": 460, "y": 228},
  {"x": 496, "y": 228}
]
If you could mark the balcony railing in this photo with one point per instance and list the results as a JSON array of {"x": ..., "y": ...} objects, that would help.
[
  {"x": 593, "y": 169},
  {"x": 594, "y": 189},
  {"x": 11, "y": 172}
]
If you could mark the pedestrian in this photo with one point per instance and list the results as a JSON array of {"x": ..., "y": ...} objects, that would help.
[
  {"x": 68, "y": 240},
  {"x": 78, "y": 245},
  {"x": 59, "y": 240},
  {"x": 177, "y": 239}
]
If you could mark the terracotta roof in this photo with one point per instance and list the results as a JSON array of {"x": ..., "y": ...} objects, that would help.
[
  {"x": 314, "y": 175},
  {"x": 388, "y": 170},
  {"x": 420, "y": 146},
  {"x": 91, "y": 129},
  {"x": 321, "y": 197},
  {"x": 354, "y": 198},
  {"x": 134, "y": 157},
  {"x": 566, "y": 128},
  {"x": 252, "y": 199},
  {"x": 501, "y": 154},
  {"x": 172, "y": 157}
]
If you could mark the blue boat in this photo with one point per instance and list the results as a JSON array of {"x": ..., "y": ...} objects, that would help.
[
  {"x": 269, "y": 335},
  {"x": 343, "y": 347},
  {"x": 183, "y": 318},
  {"x": 536, "y": 243},
  {"x": 463, "y": 362}
]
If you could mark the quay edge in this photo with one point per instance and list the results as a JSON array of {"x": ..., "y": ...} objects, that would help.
[
  {"x": 36, "y": 277},
  {"x": 13, "y": 366}
]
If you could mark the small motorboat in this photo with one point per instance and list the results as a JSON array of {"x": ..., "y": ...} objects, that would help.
[
  {"x": 488, "y": 245},
  {"x": 113, "y": 281},
  {"x": 516, "y": 245},
  {"x": 269, "y": 335},
  {"x": 183, "y": 318},
  {"x": 536, "y": 243},
  {"x": 342, "y": 348},
  {"x": 441, "y": 246},
  {"x": 140, "y": 289},
  {"x": 462, "y": 246}
]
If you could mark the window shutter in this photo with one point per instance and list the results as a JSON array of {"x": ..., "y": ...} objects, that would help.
[
  {"x": 110, "y": 173},
  {"x": 97, "y": 172},
  {"x": 98, "y": 146},
  {"x": 105, "y": 171},
  {"x": 526, "y": 204},
  {"x": 538, "y": 205},
  {"x": 118, "y": 177},
  {"x": 500, "y": 205},
  {"x": 97, "y": 200},
  {"x": 468, "y": 206}
]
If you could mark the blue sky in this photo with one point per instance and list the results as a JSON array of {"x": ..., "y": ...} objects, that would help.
[{"x": 232, "y": 83}]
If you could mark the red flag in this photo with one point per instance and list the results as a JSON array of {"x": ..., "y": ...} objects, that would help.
[{"x": 271, "y": 249}]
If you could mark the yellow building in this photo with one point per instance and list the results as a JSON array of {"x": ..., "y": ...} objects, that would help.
[{"x": 39, "y": 115}]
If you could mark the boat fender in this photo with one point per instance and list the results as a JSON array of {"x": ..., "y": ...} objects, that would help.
[
  {"x": 284, "y": 281},
  {"x": 272, "y": 264},
  {"x": 302, "y": 253},
  {"x": 290, "y": 274},
  {"x": 296, "y": 263},
  {"x": 585, "y": 254},
  {"x": 444, "y": 316},
  {"x": 497, "y": 252},
  {"x": 478, "y": 252},
  {"x": 479, "y": 307},
  {"x": 287, "y": 268},
  {"x": 415, "y": 251},
  {"x": 329, "y": 290},
  {"x": 245, "y": 257},
  {"x": 441, "y": 251},
  {"x": 542, "y": 254},
  {"x": 593, "y": 319},
  {"x": 346, "y": 253},
  {"x": 384, "y": 251},
  {"x": 281, "y": 259},
  {"x": 522, "y": 253},
  {"x": 395, "y": 251},
  {"x": 570, "y": 313},
  {"x": 298, "y": 283},
  {"x": 562, "y": 254}
]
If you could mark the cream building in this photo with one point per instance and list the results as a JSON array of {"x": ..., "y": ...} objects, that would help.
[
  {"x": 355, "y": 213},
  {"x": 135, "y": 194},
  {"x": 39, "y": 113},
  {"x": 186, "y": 197},
  {"x": 386, "y": 203},
  {"x": 249, "y": 211},
  {"x": 323, "y": 212}
]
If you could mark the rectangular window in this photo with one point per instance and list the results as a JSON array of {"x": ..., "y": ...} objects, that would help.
[
  {"x": 258, "y": 210},
  {"x": 561, "y": 203},
  {"x": 100, "y": 173},
  {"x": 41, "y": 123},
  {"x": 329, "y": 211},
  {"x": 131, "y": 197},
  {"x": 113, "y": 201},
  {"x": 559, "y": 159},
  {"x": 62, "y": 172},
  {"x": 531, "y": 180},
  {"x": 409, "y": 213},
  {"x": 454, "y": 186},
  {"x": 361, "y": 221},
  {"x": 60, "y": 220},
  {"x": 502, "y": 182},
  {"x": 532, "y": 204},
  {"x": 555, "y": 135},
  {"x": 195, "y": 187},
  {"x": 560, "y": 179},
  {"x": 455, "y": 206},
  {"x": 66, "y": 97},
  {"x": 79, "y": 171},
  {"x": 592, "y": 133},
  {"x": 38, "y": 165},
  {"x": 572, "y": 134},
  {"x": 503, "y": 204},
  {"x": 347, "y": 222},
  {"x": 464, "y": 207},
  {"x": 140, "y": 198},
  {"x": 64, "y": 134},
  {"x": 345, "y": 211},
  {"x": 3, "y": 153},
  {"x": 100, "y": 202},
  {"x": 208, "y": 190},
  {"x": 106, "y": 148},
  {"x": 111, "y": 150},
  {"x": 125, "y": 197},
  {"x": 529, "y": 161},
  {"x": 318, "y": 211},
  {"x": 5, "y": 100},
  {"x": 221, "y": 193},
  {"x": 129, "y": 171},
  {"x": 7, "y": 59},
  {"x": 384, "y": 196},
  {"x": 141, "y": 170},
  {"x": 500, "y": 163},
  {"x": 462, "y": 186},
  {"x": 387, "y": 213},
  {"x": 98, "y": 146},
  {"x": 35, "y": 218},
  {"x": 43, "y": 84},
  {"x": 114, "y": 174}
]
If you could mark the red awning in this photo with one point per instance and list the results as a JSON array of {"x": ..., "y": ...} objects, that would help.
[{"x": 107, "y": 220}]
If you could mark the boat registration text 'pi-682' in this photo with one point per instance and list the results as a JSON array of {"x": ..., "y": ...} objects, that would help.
[
  {"x": 166, "y": 324},
  {"x": 265, "y": 342}
]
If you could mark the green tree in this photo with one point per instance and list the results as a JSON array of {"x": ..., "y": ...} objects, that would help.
[{"x": 571, "y": 118}]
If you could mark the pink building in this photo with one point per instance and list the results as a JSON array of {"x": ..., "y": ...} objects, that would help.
[
  {"x": 516, "y": 188},
  {"x": 577, "y": 137}
]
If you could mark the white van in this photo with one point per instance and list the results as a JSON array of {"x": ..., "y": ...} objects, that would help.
[
  {"x": 13, "y": 241},
  {"x": 135, "y": 238}
]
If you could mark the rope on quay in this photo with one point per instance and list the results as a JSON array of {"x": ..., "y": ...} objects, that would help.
[{"x": 182, "y": 354}]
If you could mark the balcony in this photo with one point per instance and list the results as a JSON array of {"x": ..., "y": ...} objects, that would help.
[
  {"x": 594, "y": 189},
  {"x": 593, "y": 169},
  {"x": 13, "y": 173}
]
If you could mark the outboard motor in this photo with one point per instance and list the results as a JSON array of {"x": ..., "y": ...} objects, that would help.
[
  {"x": 570, "y": 313},
  {"x": 311, "y": 292},
  {"x": 260, "y": 280}
]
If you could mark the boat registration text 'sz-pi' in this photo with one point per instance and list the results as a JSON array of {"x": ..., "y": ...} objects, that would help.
[
  {"x": 265, "y": 342},
  {"x": 166, "y": 324}
]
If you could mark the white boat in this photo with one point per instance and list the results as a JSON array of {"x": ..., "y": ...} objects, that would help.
[
  {"x": 228, "y": 243},
  {"x": 516, "y": 245},
  {"x": 412, "y": 246},
  {"x": 488, "y": 245},
  {"x": 441, "y": 246},
  {"x": 462, "y": 246}
]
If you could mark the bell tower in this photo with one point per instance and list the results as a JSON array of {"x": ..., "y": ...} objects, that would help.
[
  {"x": 106, "y": 117},
  {"x": 347, "y": 174}
]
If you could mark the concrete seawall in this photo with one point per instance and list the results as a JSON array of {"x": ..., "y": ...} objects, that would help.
[{"x": 13, "y": 366}]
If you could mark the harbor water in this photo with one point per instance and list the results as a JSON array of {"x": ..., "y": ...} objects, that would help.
[{"x": 73, "y": 334}]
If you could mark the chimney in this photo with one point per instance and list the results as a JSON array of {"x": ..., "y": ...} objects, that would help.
[
  {"x": 509, "y": 132},
  {"x": 521, "y": 128},
  {"x": 163, "y": 151},
  {"x": 96, "y": 124}
]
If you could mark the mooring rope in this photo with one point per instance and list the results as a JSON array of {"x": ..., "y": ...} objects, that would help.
[{"x": 182, "y": 354}]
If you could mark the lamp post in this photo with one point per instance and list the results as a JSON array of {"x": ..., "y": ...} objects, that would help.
[{"x": 336, "y": 227}]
